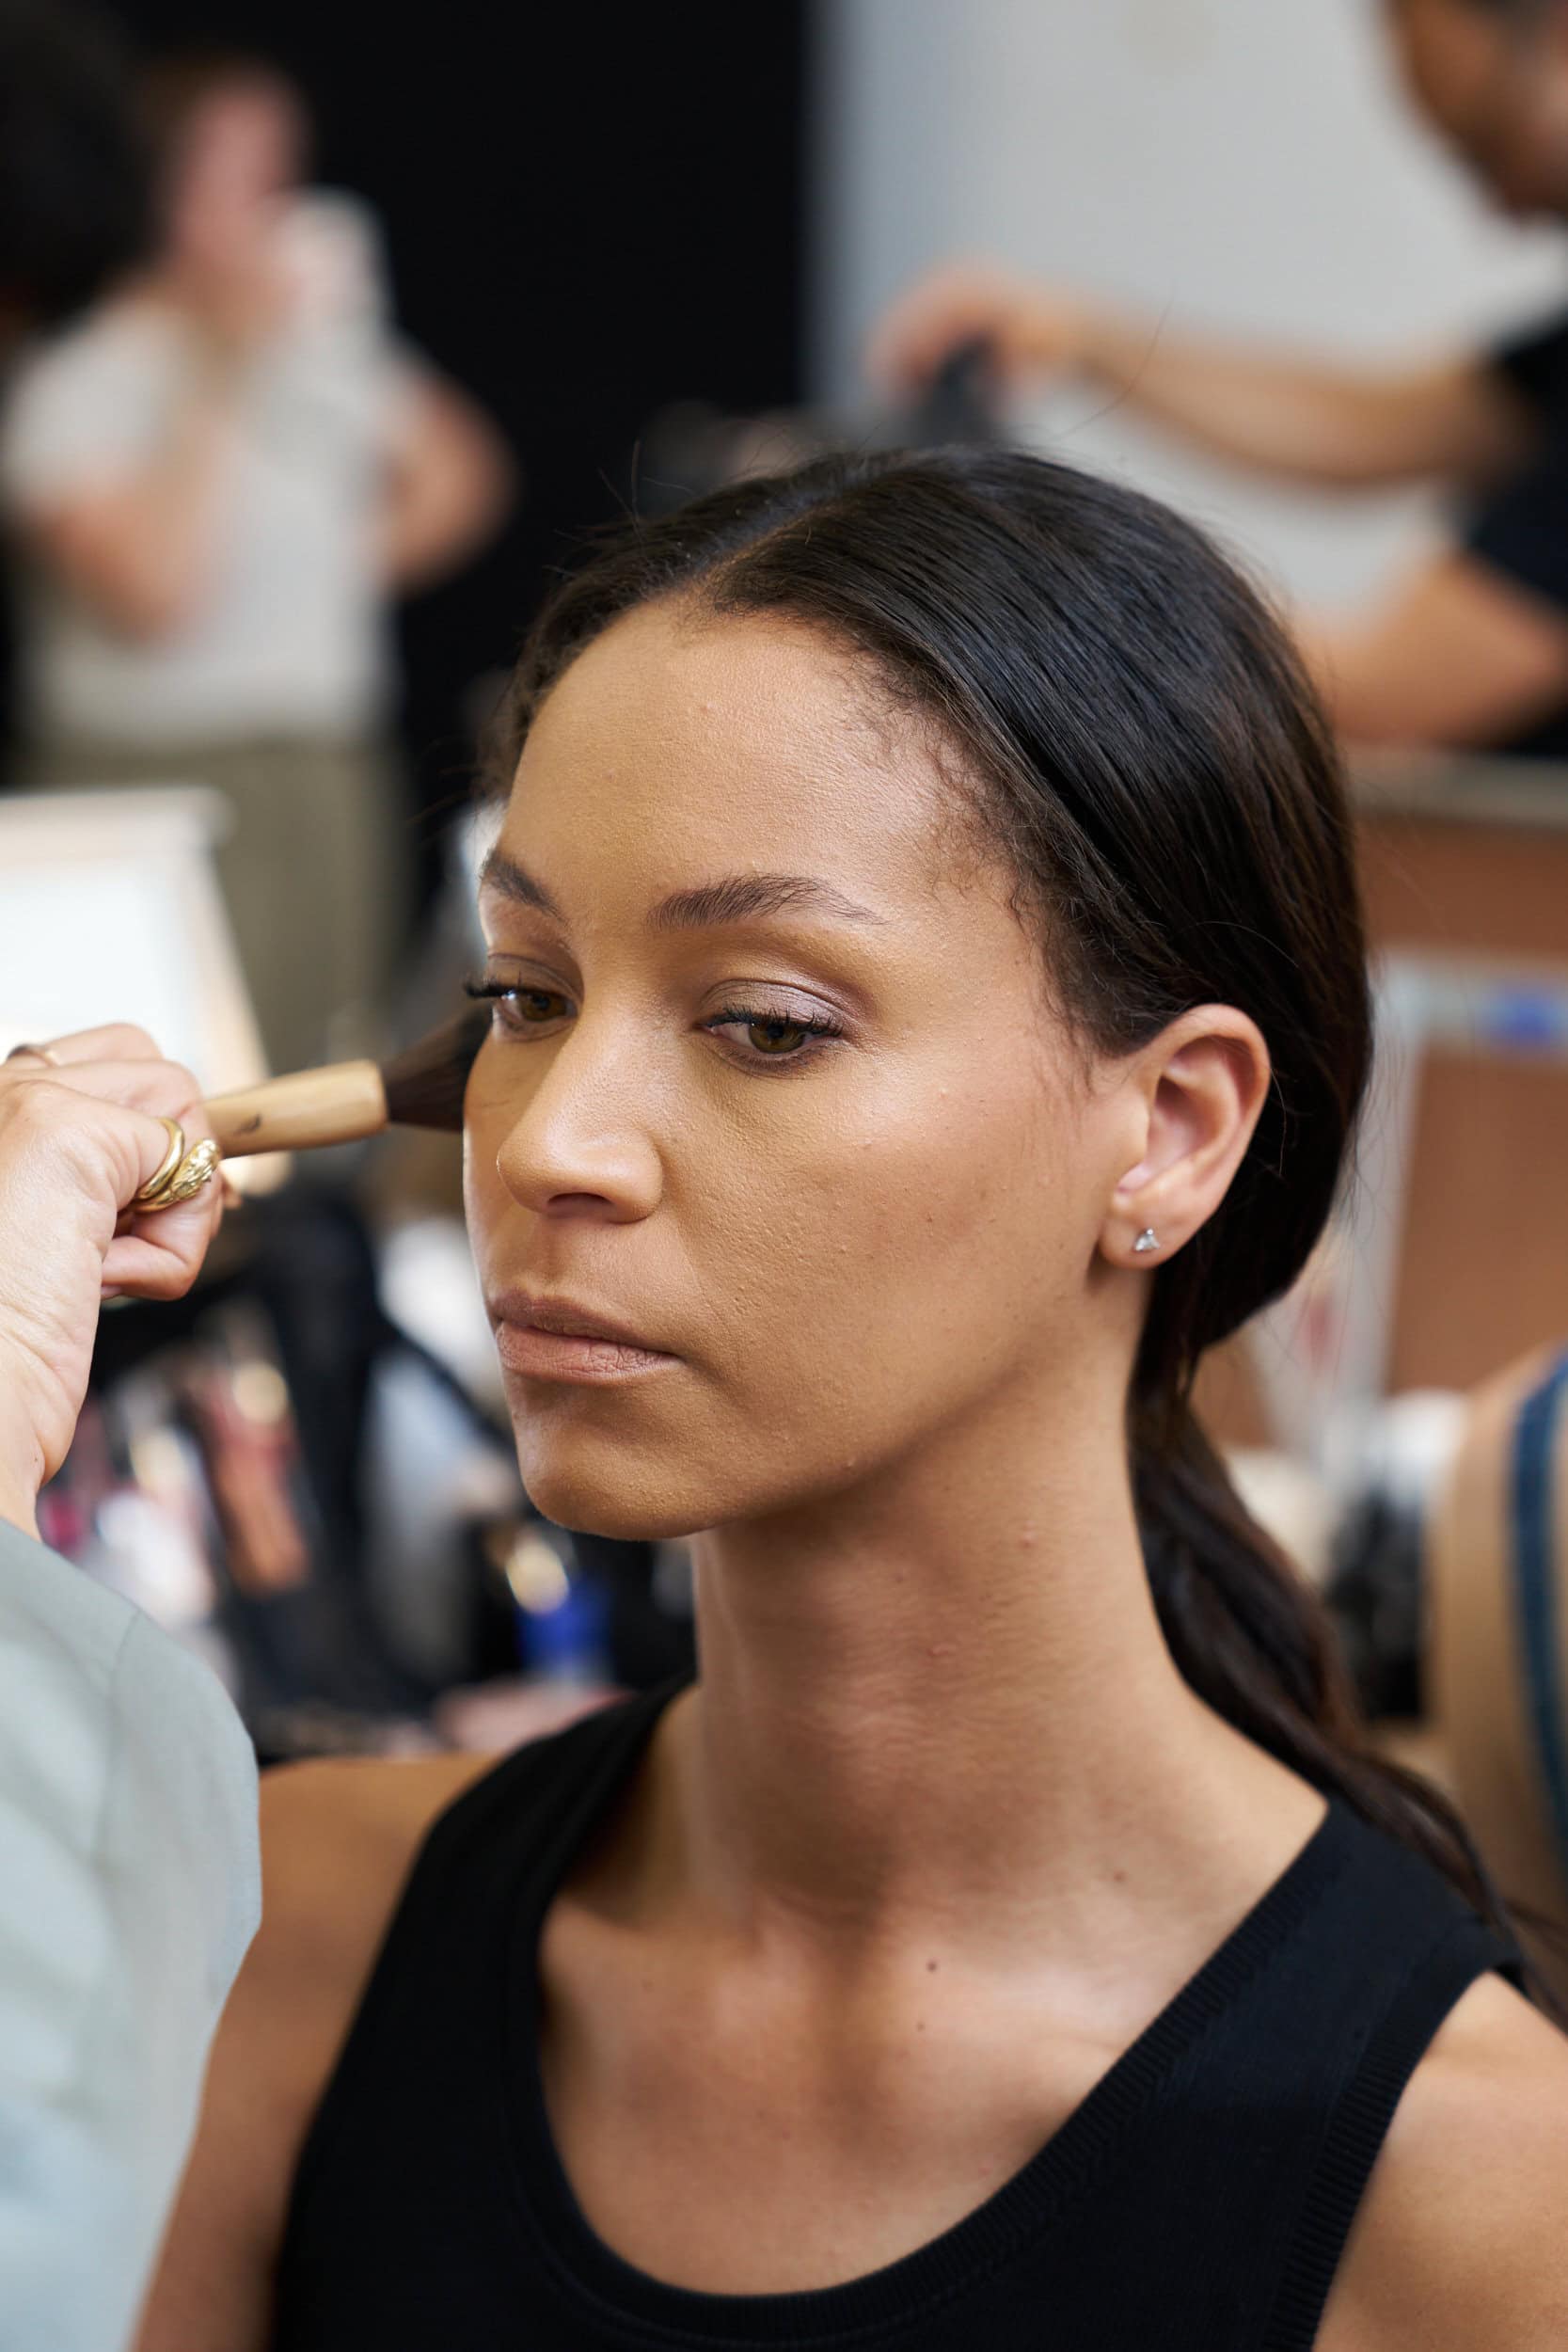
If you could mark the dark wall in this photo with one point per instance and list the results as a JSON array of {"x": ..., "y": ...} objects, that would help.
[{"x": 590, "y": 211}]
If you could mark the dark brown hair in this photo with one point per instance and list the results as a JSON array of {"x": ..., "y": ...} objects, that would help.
[{"x": 1140, "y": 742}]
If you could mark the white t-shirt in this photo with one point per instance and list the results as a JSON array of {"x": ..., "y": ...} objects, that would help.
[
  {"x": 293, "y": 637},
  {"x": 130, "y": 1886}
]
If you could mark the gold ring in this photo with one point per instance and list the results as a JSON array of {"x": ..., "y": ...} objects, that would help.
[
  {"x": 151, "y": 1194},
  {"x": 198, "y": 1166},
  {"x": 38, "y": 1052}
]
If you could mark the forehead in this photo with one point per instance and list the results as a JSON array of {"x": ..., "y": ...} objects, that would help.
[{"x": 679, "y": 743}]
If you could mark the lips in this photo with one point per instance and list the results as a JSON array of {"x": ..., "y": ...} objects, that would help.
[
  {"x": 537, "y": 1311},
  {"x": 549, "y": 1337}
]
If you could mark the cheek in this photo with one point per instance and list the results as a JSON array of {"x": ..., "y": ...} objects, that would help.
[
  {"x": 885, "y": 1263},
  {"x": 486, "y": 1200},
  {"x": 856, "y": 1260}
]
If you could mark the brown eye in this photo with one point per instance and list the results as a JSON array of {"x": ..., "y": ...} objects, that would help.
[
  {"x": 519, "y": 1008},
  {"x": 754, "y": 1037},
  {"x": 777, "y": 1037},
  {"x": 534, "y": 1004}
]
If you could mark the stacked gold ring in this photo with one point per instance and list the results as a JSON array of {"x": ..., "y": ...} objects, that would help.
[
  {"x": 198, "y": 1166},
  {"x": 181, "y": 1174}
]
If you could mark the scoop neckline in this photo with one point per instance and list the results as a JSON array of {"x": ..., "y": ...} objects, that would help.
[{"x": 901, "y": 2293}]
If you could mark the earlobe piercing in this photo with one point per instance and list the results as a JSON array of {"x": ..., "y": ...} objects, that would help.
[{"x": 1148, "y": 1239}]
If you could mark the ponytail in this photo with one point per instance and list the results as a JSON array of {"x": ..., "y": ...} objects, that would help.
[{"x": 1252, "y": 1637}]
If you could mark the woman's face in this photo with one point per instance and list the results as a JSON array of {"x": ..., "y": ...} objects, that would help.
[
  {"x": 774, "y": 1094},
  {"x": 237, "y": 157}
]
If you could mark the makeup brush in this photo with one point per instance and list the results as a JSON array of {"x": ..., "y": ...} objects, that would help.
[{"x": 421, "y": 1088}]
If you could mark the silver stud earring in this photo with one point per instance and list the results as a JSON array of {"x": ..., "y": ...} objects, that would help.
[{"x": 1148, "y": 1239}]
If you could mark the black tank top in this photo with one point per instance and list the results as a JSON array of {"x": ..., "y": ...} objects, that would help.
[{"x": 1197, "y": 2200}]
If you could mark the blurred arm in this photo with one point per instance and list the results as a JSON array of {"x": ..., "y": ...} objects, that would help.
[
  {"x": 1459, "y": 655},
  {"x": 450, "y": 486},
  {"x": 1474, "y": 1659},
  {"x": 139, "y": 550},
  {"x": 1285, "y": 415},
  {"x": 1306, "y": 421}
]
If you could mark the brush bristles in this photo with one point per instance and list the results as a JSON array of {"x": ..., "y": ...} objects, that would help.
[{"x": 425, "y": 1085}]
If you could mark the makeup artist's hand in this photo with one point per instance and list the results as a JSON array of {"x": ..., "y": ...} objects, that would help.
[
  {"x": 1029, "y": 330},
  {"x": 79, "y": 1135}
]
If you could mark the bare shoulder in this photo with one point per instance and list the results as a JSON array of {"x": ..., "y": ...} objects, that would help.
[
  {"x": 1461, "y": 2240},
  {"x": 338, "y": 1841}
]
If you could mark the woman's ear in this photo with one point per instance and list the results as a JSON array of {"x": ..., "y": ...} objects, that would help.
[{"x": 1203, "y": 1082}]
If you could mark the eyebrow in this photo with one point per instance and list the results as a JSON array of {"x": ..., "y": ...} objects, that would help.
[{"x": 732, "y": 898}]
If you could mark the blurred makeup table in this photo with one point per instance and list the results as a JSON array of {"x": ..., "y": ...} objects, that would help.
[{"x": 1452, "y": 1257}]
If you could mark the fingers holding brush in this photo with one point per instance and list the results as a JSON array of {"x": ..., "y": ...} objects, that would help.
[
  {"x": 165, "y": 1229},
  {"x": 111, "y": 1188},
  {"x": 114, "y": 1041},
  {"x": 94, "y": 1199},
  {"x": 162, "y": 1230}
]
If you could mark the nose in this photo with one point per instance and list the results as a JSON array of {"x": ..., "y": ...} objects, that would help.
[{"x": 583, "y": 1146}]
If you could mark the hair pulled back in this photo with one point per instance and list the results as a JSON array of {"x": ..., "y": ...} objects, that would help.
[{"x": 1142, "y": 747}]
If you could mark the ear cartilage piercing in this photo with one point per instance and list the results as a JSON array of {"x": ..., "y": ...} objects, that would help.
[{"x": 1148, "y": 1239}]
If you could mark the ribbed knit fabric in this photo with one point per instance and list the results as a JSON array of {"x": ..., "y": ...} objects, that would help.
[{"x": 1197, "y": 2200}]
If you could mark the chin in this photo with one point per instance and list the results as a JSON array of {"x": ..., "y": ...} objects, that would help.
[
  {"x": 600, "y": 1481},
  {"x": 604, "y": 1490},
  {"x": 625, "y": 1517}
]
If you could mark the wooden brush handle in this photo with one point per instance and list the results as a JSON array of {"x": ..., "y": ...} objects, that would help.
[{"x": 337, "y": 1105}]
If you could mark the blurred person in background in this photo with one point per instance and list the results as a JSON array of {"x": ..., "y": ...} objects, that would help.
[
  {"x": 1471, "y": 648},
  {"x": 217, "y": 480}
]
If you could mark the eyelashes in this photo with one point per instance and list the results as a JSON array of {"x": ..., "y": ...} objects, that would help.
[
  {"x": 777, "y": 1037},
  {"x": 528, "y": 1005},
  {"x": 769, "y": 1035}
]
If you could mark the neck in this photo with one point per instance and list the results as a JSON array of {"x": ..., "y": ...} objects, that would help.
[{"x": 946, "y": 1699}]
